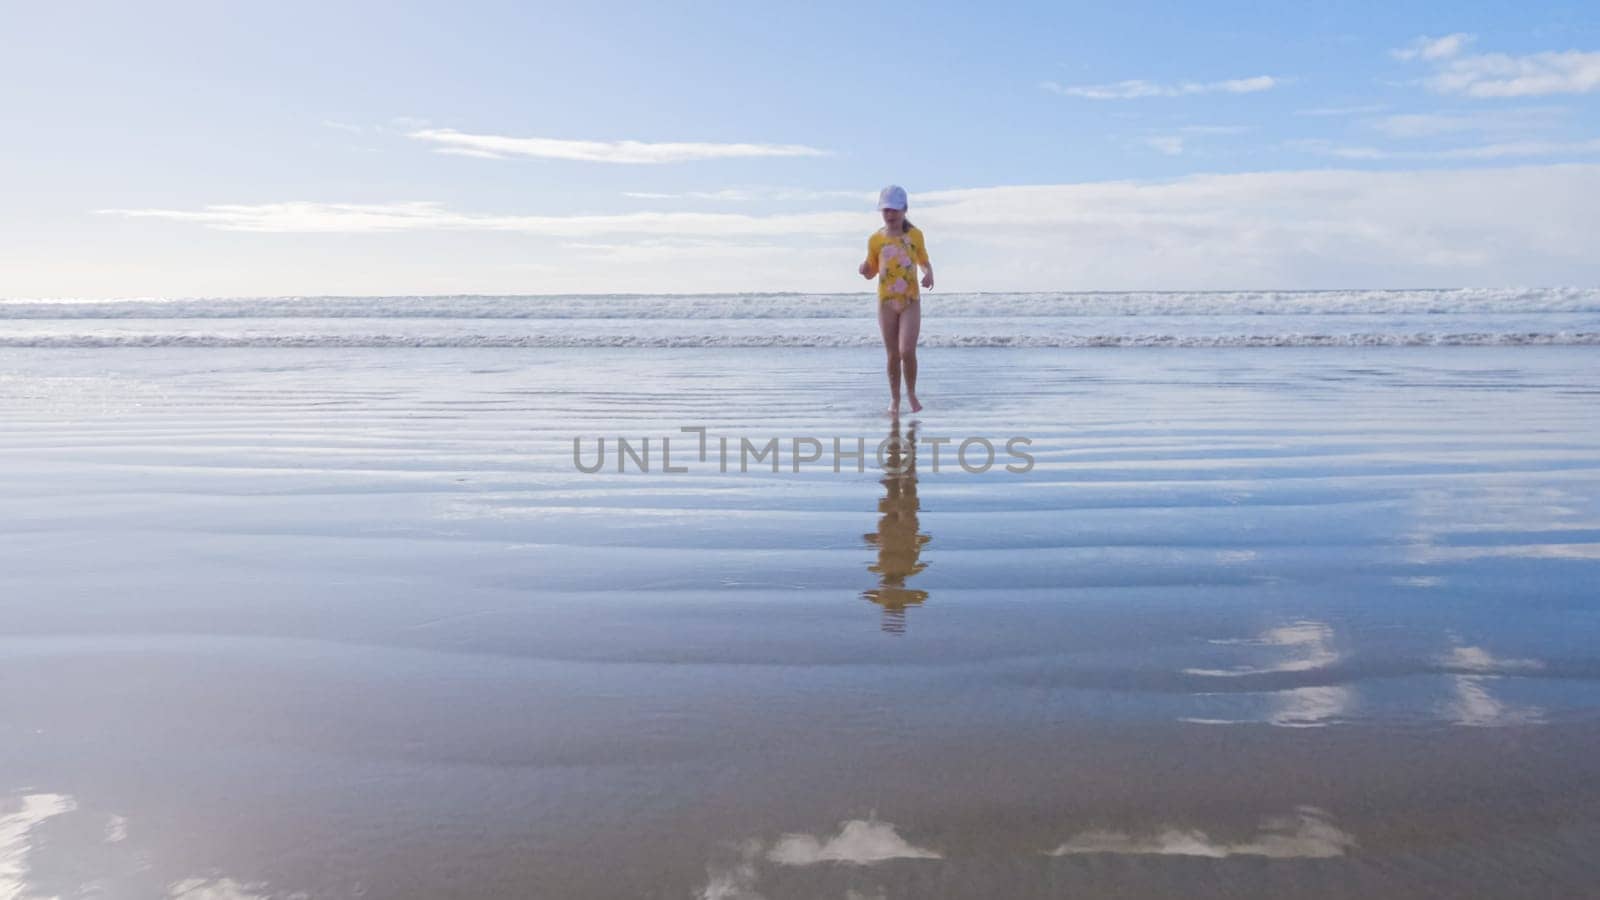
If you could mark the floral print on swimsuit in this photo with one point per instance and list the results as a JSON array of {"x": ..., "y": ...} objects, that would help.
[{"x": 896, "y": 260}]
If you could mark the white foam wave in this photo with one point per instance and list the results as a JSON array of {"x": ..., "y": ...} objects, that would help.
[
  {"x": 313, "y": 341},
  {"x": 1470, "y": 301}
]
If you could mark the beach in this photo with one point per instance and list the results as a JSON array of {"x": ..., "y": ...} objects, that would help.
[{"x": 328, "y": 607}]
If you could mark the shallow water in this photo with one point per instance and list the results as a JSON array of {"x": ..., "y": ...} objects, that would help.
[{"x": 350, "y": 622}]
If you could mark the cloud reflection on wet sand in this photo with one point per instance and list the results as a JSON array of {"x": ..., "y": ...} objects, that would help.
[
  {"x": 1307, "y": 833},
  {"x": 858, "y": 842},
  {"x": 16, "y": 838}
]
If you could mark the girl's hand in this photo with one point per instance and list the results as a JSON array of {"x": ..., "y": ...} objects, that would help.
[
  {"x": 927, "y": 281},
  {"x": 866, "y": 272}
]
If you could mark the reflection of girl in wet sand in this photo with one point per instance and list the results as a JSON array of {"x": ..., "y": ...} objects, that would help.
[{"x": 899, "y": 545}]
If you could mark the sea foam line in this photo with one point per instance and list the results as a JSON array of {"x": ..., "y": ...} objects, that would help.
[
  {"x": 1484, "y": 301},
  {"x": 1375, "y": 339}
]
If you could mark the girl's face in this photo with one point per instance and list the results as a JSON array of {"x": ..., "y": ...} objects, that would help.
[{"x": 893, "y": 217}]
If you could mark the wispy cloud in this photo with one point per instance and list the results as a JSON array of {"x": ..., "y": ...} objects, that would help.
[
  {"x": 1215, "y": 129},
  {"x": 1136, "y": 89},
  {"x": 494, "y": 146},
  {"x": 1432, "y": 48},
  {"x": 748, "y": 194},
  {"x": 342, "y": 126},
  {"x": 733, "y": 194},
  {"x": 469, "y": 151},
  {"x": 1499, "y": 75},
  {"x": 725, "y": 251},
  {"x": 1176, "y": 142},
  {"x": 1169, "y": 144},
  {"x": 1502, "y": 150},
  {"x": 1498, "y": 122},
  {"x": 1320, "y": 111},
  {"x": 302, "y": 217},
  {"x": 1488, "y": 75}
]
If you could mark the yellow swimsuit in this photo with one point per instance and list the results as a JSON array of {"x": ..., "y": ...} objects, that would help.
[{"x": 896, "y": 260}]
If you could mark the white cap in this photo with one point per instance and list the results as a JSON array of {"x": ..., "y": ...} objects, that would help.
[{"x": 892, "y": 197}]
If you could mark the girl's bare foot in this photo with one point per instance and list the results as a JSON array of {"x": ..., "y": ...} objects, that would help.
[
  {"x": 894, "y": 408},
  {"x": 916, "y": 406}
]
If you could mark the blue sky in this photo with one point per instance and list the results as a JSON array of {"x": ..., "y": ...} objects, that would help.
[{"x": 365, "y": 148}]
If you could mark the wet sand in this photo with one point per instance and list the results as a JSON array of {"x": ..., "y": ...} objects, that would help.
[{"x": 1312, "y": 623}]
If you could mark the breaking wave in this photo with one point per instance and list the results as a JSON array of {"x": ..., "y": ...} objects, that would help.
[
  {"x": 1486, "y": 301},
  {"x": 1461, "y": 317},
  {"x": 1466, "y": 339}
]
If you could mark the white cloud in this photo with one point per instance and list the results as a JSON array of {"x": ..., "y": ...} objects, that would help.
[
  {"x": 343, "y": 126},
  {"x": 1306, "y": 834},
  {"x": 1298, "y": 229},
  {"x": 1169, "y": 144},
  {"x": 1501, "y": 75},
  {"x": 623, "y": 152},
  {"x": 1431, "y": 48},
  {"x": 1130, "y": 90}
]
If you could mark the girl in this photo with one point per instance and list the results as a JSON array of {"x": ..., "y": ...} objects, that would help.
[{"x": 893, "y": 254}]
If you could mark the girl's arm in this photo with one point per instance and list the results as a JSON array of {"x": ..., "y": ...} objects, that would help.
[{"x": 869, "y": 269}]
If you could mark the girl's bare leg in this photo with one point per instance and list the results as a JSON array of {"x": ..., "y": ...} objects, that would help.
[
  {"x": 889, "y": 316},
  {"x": 910, "y": 327}
]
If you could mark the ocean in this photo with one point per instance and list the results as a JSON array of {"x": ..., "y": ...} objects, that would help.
[{"x": 1461, "y": 317}]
